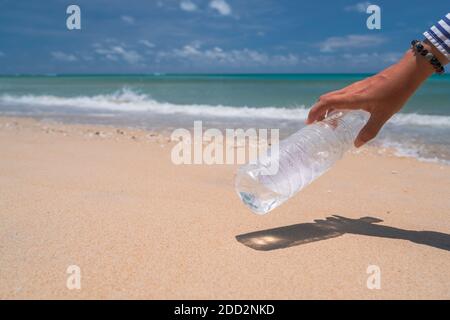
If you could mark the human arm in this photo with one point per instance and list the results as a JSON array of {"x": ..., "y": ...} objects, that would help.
[{"x": 385, "y": 93}]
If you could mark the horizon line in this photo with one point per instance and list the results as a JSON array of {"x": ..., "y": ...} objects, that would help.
[{"x": 186, "y": 74}]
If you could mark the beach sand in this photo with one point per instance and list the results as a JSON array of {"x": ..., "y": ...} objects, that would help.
[{"x": 111, "y": 202}]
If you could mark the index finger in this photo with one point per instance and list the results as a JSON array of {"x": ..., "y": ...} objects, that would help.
[{"x": 317, "y": 112}]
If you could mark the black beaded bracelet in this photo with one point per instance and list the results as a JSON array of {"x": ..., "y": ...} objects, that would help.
[{"x": 418, "y": 47}]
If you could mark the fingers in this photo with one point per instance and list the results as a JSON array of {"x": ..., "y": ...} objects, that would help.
[
  {"x": 369, "y": 131},
  {"x": 326, "y": 104},
  {"x": 317, "y": 112}
]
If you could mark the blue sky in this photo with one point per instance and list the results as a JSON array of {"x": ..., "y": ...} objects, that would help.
[{"x": 201, "y": 36}]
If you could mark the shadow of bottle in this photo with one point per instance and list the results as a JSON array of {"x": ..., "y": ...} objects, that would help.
[{"x": 335, "y": 226}]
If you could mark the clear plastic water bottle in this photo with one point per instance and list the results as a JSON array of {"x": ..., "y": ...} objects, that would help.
[{"x": 300, "y": 159}]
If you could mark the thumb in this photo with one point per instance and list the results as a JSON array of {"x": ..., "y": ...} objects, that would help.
[{"x": 369, "y": 131}]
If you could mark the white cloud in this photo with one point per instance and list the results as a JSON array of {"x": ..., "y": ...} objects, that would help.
[
  {"x": 128, "y": 19},
  {"x": 358, "y": 7},
  {"x": 351, "y": 41},
  {"x": 365, "y": 58},
  {"x": 117, "y": 53},
  {"x": 61, "y": 56},
  {"x": 344, "y": 61},
  {"x": 221, "y": 6},
  {"x": 188, "y": 5},
  {"x": 193, "y": 53},
  {"x": 87, "y": 57},
  {"x": 147, "y": 43}
]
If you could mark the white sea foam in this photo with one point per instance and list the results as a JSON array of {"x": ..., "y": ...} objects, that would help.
[
  {"x": 421, "y": 120},
  {"x": 412, "y": 151},
  {"x": 126, "y": 100}
]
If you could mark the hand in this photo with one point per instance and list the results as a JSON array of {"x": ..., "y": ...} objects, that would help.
[{"x": 383, "y": 94}]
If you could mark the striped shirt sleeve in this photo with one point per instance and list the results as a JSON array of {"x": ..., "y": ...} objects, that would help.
[{"x": 439, "y": 36}]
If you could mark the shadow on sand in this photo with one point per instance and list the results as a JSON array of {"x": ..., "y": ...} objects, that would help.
[{"x": 335, "y": 226}]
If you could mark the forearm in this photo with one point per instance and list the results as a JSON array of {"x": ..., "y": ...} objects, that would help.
[{"x": 413, "y": 69}]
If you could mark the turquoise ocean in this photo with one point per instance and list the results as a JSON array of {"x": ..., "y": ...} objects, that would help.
[{"x": 165, "y": 102}]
